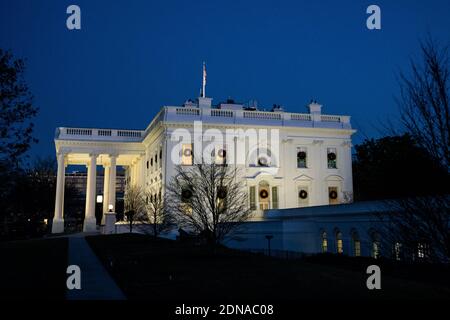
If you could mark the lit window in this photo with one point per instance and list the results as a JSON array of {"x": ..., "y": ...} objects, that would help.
[
  {"x": 422, "y": 250},
  {"x": 324, "y": 242},
  {"x": 376, "y": 249},
  {"x": 397, "y": 251},
  {"x": 333, "y": 195},
  {"x": 187, "y": 154},
  {"x": 221, "y": 156},
  {"x": 252, "y": 197},
  {"x": 357, "y": 248},
  {"x": 356, "y": 244},
  {"x": 339, "y": 243},
  {"x": 274, "y": 197},
  {"x": 332, "y": 158},
  {"x": 264, "y": 157},
  {"x": 301, "y": 158},
  {"x": 221, "y": 197}
]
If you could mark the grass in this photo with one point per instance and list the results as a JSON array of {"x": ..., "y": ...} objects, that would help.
[
  {"x": 33, "y": 269},
  {"x": 164, "y": 270}
]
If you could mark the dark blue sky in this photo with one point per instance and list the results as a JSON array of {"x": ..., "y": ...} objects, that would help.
[{"x": 131, "y": 57}]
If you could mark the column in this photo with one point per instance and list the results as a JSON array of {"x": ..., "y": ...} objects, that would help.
[
  {"x": 106, "y": 177},
  {"x": 112, "y": 182},
  {"x": 89, "y": 218},
  {"x": 58, "y": 219}
]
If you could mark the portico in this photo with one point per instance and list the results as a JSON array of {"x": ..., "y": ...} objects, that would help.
[{"x": 93, "y": 149}]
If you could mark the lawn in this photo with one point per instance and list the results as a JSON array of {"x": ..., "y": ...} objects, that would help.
[
  {"x": 165, "y": 270},
  {"x": 33, "y": 269}
]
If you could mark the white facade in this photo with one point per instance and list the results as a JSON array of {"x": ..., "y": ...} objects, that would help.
[{"x": 305, "y": 162}]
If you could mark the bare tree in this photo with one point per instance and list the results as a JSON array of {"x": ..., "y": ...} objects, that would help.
[
  {"x": 134, "y": 204},
  {"x": 156, "y": 211},
  {"x": 208, "y": 199},
  {"x": 424, "y": 100},
  {"x": 418, "y": 228}
]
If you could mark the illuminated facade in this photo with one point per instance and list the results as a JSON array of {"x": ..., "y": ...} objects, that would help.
[{"x": 294, "y": 160}]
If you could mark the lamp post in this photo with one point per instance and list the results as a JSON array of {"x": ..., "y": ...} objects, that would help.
[
  {"x": 98, "y": 210},
  {"x": 269, "y": 237}
]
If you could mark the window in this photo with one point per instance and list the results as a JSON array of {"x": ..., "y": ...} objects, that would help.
[
  {"x": 301, "y": 157},
  {"x": 303, "y": 196},
  {"x": 160, "y": 154},
  {"x": 156, "y": 158},
  {"x": 324, "y": 242},
  {"x": 356, "y": 244},
  {"x": 339, "y": 243},
  {"x": 332, "y": 158},
  {"x": 422, "y": 250},
  {"x": 264, "y": 157},
  {"x": 221, "y": 197},
  {"x": 376, "y": 247},
  {"x": 187, "y": 154},
  {"x": 151, "y": 162},
  {"x": 274, "y": 197},
  {"x": 333, "y": 195},
  {"x": 147, "y": 164},
  {"x": 221, "y": 156},
  {"x": 397, "y": 251},
  {"x": 252, "y": 198}
]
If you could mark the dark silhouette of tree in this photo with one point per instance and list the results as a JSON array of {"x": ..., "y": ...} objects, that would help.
[
  {"x": 208, "y": 199},
  {"x": 157, "y": 214},
  {"x": 32, "y": 197},
  {"x": 16, "y": 110},
  {"x": 419, "y": 222},
  {"x": 396, "y": 167},
  {"x": 424, "y": 100},
  {"x": 16, "y": 128},
  {"x": 134, "y": 204},
  {"x": 417, "y": 228}
]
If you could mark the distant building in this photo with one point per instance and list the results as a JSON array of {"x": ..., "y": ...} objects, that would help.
[{"x": 78, "y": 181}]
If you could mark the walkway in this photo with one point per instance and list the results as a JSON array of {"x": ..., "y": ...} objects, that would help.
[{"x": 96, "y": 283}]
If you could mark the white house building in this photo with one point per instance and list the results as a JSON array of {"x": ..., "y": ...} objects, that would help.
[{"x": 288, "y": 159}]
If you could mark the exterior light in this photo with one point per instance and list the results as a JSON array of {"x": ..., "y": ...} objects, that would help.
[
  {"x": 110, "y": 208},
  {"x": 46, "y": 221},
  {"x": 99, "y": 198}
]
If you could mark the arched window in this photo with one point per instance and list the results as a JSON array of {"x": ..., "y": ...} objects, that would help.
[
  {"x": 376, "y": 245},
  {"x": 324, "y": 243},
  {"x": 356, "y": 244},
  {"x": 339, "y": 242}
]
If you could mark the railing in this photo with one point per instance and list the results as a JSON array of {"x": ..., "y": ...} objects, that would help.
[
  {"x": 327, "y": 118},
  {"x": 262, "y": 115},
  {"x": 188, "y": 114},
  {"x": 99, "y": 134},
  {"x": 128, "y": 133},
  {"x": 79, "y": 132},
  {"x": 222, "y": 113},
  {"x": 188, "y": 111},
  {"x": 182, "y": 114},
  {"x": 300, "y": 117}
]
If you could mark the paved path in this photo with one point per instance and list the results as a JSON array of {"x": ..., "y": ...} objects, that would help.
[{"x": 96, "y": 283}]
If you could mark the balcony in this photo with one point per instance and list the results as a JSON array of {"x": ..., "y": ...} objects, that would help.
[{"x": 63, "y": 133}]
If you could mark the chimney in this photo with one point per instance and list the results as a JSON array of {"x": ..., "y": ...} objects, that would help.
[{"x": 314, "y": 107}]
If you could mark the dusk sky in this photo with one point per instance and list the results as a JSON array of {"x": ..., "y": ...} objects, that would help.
[{"x": 132, "y": 57}]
